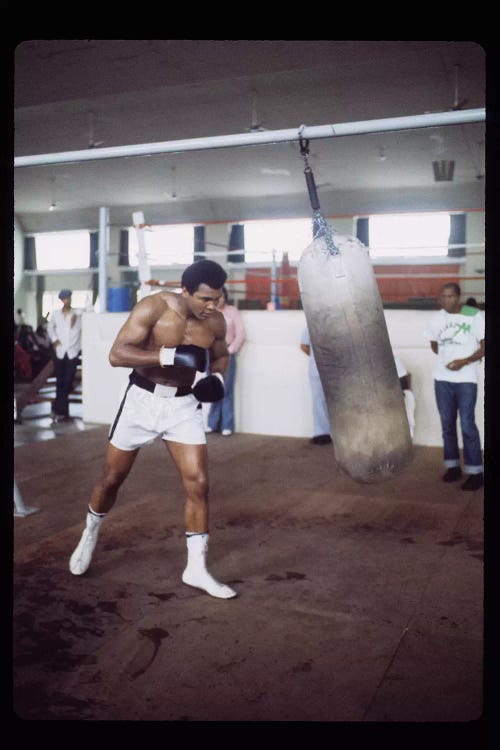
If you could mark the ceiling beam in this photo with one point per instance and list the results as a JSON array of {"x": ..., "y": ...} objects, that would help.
[{"x": 362, "y": 127}]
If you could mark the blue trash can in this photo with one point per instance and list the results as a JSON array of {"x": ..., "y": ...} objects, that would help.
[{"x": 118, "y": 299}]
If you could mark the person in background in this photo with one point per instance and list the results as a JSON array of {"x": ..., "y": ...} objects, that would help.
[
  {"x": 405, "y": 382},
  {"x": 321, "y": 420},
  {"x": 221, "y": 415},
  {"x": 65, "y": 332},
  {"x": 456, "y": 335},
  {"x": 471, "y": 302},
  {"x": 42, "y": 337}
]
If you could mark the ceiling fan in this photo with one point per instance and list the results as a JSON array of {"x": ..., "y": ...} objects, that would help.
[
  {"x": 91, "y": 142},
  {"x": 255, "y": 126},
  {"x": 457, "y": 103},
  {"x": 173, "y": 195}
]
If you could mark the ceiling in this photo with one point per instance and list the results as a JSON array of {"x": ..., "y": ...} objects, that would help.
[{"x": 75, "y": 94}]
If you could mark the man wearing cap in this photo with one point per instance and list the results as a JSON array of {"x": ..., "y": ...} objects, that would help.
[{"x": 65, "y": 332}]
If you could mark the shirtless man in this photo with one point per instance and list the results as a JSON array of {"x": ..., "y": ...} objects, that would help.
[{"x": 170, "y": 340}]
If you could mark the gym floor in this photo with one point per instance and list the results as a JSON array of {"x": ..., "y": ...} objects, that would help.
[{"x": 357, "y": 603}]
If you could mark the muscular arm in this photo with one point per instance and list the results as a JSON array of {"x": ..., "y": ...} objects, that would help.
[
  {"x": 219, "y": 354},
  {"x": 129, "y": 348}
]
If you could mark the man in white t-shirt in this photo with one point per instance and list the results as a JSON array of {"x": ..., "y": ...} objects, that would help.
[{"x": 456, "y": 334}]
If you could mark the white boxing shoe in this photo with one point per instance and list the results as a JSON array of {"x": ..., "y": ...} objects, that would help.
[
  {"x": 82, "y": 556},
  {"x": 196, "y": 573}
]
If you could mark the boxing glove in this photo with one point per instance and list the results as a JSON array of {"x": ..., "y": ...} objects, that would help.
[
  {"x": 209, "y": 389},
  {"x": 185, "y": 355}
]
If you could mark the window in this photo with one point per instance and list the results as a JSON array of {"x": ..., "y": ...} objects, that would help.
[
  {"x": 165, "y": 245},
  {"x": 409, "y": 235},
  {"x": 57, "y": 251},
  {"x": 81, "y": 299},
  {"x": 282, "y": 235}
]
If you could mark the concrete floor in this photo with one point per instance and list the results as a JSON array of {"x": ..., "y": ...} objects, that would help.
[{"x": 357, "y": 603}]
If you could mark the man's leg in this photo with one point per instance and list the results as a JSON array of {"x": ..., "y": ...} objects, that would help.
[
  {"x": 321, "y": 422},
  {"x": 473, "y": 460},
  {"x": 69, "y": 370},
  {"x": 192, "y": 464},
  {"x": 59, "y": 376},
  {"x": 448, "y": 411},
  {"x": 116, "y": 468},
  {"x": 64, "y": 384},
  {"x": 227, "y": 403},
  {"x": 214, "y": 416}
]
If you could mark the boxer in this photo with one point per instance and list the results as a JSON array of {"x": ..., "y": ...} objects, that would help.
[{"x": 171, "y": 340}]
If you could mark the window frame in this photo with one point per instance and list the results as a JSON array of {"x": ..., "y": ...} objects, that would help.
[
  {"x": 180, "y": 261},
  {"x": 411, "y": 258},
  {"x": 293, "y": 255}
]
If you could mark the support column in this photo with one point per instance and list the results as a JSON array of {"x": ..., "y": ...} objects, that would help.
[{"x": 103, "y": 257}]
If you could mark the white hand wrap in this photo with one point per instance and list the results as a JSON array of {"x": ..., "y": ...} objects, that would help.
[{"x": 167, "y": 356}]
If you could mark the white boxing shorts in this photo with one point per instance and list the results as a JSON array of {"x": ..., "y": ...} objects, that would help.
[{"x": 144, "y": 415}]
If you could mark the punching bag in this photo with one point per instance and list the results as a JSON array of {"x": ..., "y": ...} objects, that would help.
[{"x": 344, "y": 313}]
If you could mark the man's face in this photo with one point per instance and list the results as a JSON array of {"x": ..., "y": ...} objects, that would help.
[
  {"x": 203, "y": 302},
  {"x": 66, "y": 301},
  {"x": 450, "y": 300}
]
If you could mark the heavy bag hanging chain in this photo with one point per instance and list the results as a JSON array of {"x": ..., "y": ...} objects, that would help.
[{"x": 320, "y": 225}]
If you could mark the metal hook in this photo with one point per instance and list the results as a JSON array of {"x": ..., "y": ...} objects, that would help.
[{"x": 304, "y": 146}]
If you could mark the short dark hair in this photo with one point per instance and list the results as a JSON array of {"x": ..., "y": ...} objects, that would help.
[
  {"x": 203, "y": 272},
  {"x": 454, "y": 286}
]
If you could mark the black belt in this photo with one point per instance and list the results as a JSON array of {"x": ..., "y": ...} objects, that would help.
[{"x": 151, "y": 386}]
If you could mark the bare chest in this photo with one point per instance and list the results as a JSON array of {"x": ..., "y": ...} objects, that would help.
[{"x": 172, "y": 330}]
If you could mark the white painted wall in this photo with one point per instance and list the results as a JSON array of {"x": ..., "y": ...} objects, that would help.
[{"x": 272, "y": 389}]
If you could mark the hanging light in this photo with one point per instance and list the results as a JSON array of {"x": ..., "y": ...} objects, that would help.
[{"x": 53, "y": 205}]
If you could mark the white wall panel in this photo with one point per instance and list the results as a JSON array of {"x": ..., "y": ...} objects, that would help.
[{"x": 272, "y": 394}]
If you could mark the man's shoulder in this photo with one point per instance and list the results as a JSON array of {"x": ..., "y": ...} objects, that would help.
[
  {"x": 471, "y": 311},
  {"x": 217, "y": 322},
  {"x": 160, "y": 301}
]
